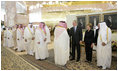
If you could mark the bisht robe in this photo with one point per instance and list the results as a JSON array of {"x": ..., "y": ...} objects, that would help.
[
  {"x": 20, "y": 42},
  {"x": 61, "y": 46},
  {"x": 104, "y": 53},
  {"x": 41, "y": 51},
  {"x": 28, "y": 35},
  {"x": 10, "y": 38}
]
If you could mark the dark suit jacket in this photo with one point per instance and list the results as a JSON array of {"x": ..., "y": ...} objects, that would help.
[
  {"x": 68, "y": 31},
  {"x": 76, "y": 36},
  {"x": 96, "y": 36},
  {"x": 89, "y": 36}
]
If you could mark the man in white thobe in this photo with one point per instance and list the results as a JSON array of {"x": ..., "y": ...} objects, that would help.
[
  {"x": 10, "y": 37},
  {"x": 20, "y": 46},
  {"x": 14, "y": 36},
  {"x": 5, "y": 38},
  {"x": 61, "y": 44},
  {"x": 28, "y": 38},
  {"x": 47, "y": 34},
  {"x": 104, "y": 52},
  {"x": 41, "y": 51}
]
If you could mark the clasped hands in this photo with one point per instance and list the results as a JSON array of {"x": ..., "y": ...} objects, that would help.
[
  {"x": 44, "y": 41},
  {"x": 33, "y": 38},
  {"x": 84, "y": 43},
  {"x": 103, "y": 44}
]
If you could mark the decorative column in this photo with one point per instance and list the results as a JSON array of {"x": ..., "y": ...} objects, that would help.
[
  {"x": 28, "y": 13},
  {"x": 10, "y": 9},
  {"x": 102, "y": 17}
]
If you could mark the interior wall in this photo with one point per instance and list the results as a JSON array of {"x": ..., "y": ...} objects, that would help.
[
  {"x": 53, "y": 18},
  {"x": 70, "y": 18}
]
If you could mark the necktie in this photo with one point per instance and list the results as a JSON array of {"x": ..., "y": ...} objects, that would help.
[{"x": 74, "y": 29}]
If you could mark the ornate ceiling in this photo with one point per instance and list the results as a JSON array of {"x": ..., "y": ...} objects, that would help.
[
  {"x": 59, "y": 6},
  {"x": 64, "y": 3},
  {"x": 54, "y": 11}
]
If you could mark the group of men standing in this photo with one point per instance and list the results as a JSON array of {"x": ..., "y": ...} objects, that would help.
[
  {"x": 32, "y": 40},
  {"x": 35, "y": 41},
  {"x": 63, "y": 37}
]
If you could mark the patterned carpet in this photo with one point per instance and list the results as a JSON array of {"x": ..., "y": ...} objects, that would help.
[
  {"x": 11, "y": 61},
  {"x": 44, "y": 65},
  {"x": 48, "y": 64}
]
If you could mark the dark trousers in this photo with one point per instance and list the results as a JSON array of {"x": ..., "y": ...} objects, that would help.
[
  {"x": 78, "y": 51},
  {"x": 70, "y": 47},
  {"x": 88, "y": 50}
]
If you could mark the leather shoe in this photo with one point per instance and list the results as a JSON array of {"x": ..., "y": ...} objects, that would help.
[
  {"x": 77, "y": 60},
  {"x": 86, "y": 61},
  {"x": 72, "y": 59},
  {"x": 99, "y": 66}
]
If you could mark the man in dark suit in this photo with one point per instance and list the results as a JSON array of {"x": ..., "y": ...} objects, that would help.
[
  {"x": 76, "y": 34},
  {"x": 68, "y": 30}
]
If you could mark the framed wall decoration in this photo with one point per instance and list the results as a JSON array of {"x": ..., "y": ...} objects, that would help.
[
  {"x": 81, "y": 21},
  {"x": 111, "y": 20},
  {"x": 94, "y": 20}
]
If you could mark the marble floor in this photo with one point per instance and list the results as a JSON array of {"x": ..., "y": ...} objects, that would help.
[{"x": 12, "y": 60}]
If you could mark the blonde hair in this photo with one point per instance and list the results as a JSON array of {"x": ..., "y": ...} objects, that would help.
[{"x": 90, "y": 25}]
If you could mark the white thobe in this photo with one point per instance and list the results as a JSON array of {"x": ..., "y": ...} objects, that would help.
[
  {"x": 61, "y": 46},
  {"x": 104, "y": 53},
  {"x": 20, "y": 42},
  {"x": 14, "y": 37},
  {"x": 32, "y": 42},
  {"x": 41, "y": 51},
  {"x": 47, "y": 34},
  {"x": 10, "y": 38},
  {"x": 28, "y": 34},
  {"x": 5, "y": 39}
]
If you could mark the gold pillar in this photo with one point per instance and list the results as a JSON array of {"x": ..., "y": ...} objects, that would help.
[{"x": 102, "y": 18}]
